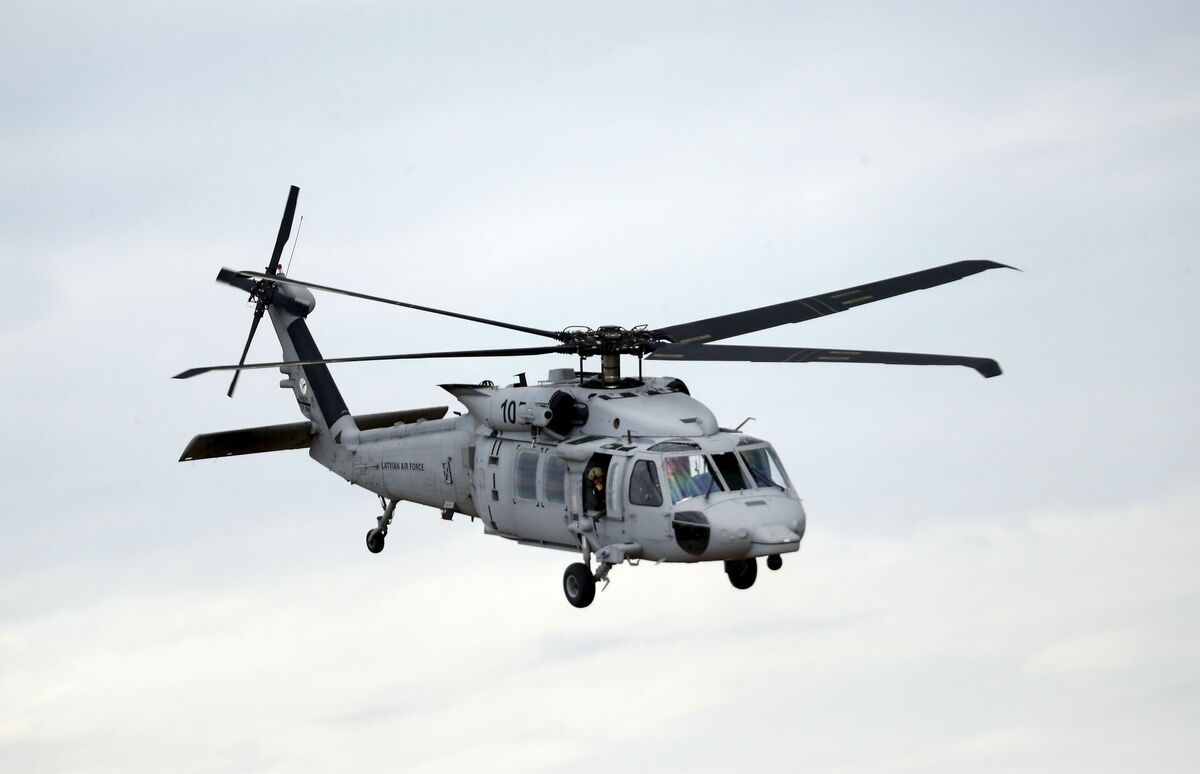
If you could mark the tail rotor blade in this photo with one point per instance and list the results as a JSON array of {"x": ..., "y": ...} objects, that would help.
[
  {"x": 258, "y": 313},
  {"x": 285, "y": 230}
]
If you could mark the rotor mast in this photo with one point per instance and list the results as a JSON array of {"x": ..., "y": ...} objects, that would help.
[
  {"x": 610, "y": 369},
  {"x": 610, "y": 342}
]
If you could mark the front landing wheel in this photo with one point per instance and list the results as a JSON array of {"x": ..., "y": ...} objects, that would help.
[
  {"x": 579, "y": 585},
  {"x": 375, "y": 540},
  {"x": 742, "y": 572}
]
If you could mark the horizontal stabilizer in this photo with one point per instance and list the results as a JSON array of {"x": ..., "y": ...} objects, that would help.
[{"x": 294, "y": 435}]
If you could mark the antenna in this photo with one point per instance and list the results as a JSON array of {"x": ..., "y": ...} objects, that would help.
[{"x": 294, "y": 243}]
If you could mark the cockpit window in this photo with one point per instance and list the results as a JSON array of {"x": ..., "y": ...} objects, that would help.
[
  {"x": 643, "y": 484},
  {"x": 764, "y": 467},
  {"x": 730, "y": 471},
  {"x": 690, "y": 476},
  {"x": 665, "y": 446}
]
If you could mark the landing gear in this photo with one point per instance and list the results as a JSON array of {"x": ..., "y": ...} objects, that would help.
[
  {"x": 774, "y": 562},
  {"x": 742, "y": 572},
  {"x": 579, "y": 585},
  {"x": 376, "y": 536}
]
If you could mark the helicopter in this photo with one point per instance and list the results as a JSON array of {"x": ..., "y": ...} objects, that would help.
[{"x": 618, "y": 469}]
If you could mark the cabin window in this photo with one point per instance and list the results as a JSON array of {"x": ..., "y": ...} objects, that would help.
[
  {"x": 527, "y": 464},
  {"x": 690, "y": 475},
  {"x": 764, "y": 467},
  {"x": 643, "y": 484},
  {"x": 727, "y": 464},
  {"x": 553, "y": 483}
]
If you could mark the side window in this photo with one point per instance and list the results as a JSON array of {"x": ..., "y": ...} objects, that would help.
[
  {"x": 527, "y": 463},
  {"x": 643, "y": 484},
  {"x": 552, "y": 479}
]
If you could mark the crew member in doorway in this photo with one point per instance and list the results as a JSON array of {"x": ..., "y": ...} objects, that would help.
[{"x": 595, "y": 490}]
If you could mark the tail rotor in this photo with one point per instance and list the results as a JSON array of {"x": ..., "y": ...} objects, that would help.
[{"x": 262, "y": 290}]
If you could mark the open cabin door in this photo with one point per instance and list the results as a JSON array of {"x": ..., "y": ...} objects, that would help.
[{"x": 595, "y": 485}]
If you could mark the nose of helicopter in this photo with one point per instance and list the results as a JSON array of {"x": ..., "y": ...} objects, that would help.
[{"x": 743, "y": 526}]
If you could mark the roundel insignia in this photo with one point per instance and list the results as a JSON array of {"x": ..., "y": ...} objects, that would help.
[{"x": 303, "y": 386}]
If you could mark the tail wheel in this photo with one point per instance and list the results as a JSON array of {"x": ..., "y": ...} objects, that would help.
[
  {"x": 579, "y": 585},
  {"x": 375, "y": 539}
]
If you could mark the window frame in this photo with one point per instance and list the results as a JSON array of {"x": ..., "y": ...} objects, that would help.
[
  {"x": 748, "y": 480},
  {"x": 710, "y": 468},
  {"x": 655, "y": 478},
  {"x": 773, "y": 458}
]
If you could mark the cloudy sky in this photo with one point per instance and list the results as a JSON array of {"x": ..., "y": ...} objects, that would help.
[{"x": 998, "y": 574}]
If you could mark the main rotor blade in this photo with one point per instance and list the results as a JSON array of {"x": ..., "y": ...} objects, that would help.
[
  {"x": 511, "y": 326},
  {"x": 725, "y": 326},
  {"x": 258, "y": 313},
  {"x": 188, "y": 374},
  {"x": 285, "y": 230},
  {"x": 712, "y": 352}
]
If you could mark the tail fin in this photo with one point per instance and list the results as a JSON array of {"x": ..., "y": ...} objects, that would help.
[{"x": 316, "y": 393}]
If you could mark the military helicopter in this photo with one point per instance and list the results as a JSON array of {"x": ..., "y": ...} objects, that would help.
[{"x": 615, "y": 468}]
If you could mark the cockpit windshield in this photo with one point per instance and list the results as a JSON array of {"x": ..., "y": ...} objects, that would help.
[
  {"x": 764, "y": 467},
  {"x": 690, "y": 475}
]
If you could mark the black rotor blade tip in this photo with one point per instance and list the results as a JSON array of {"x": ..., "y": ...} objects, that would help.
[{"x": 988, "y": 369}]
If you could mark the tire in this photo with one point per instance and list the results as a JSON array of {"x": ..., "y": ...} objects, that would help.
[
  {"x": 774, "y": 562},
  {"x": 579, "y": 585},
  {"x": 742, "y": 572},
  {"x": 374, "y": 541}
]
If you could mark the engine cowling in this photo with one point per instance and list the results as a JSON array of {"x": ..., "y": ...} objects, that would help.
[{"x": 544, "y": 408}]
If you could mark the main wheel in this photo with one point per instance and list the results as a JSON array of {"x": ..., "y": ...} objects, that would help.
[
  {"x": 742, "y": 572},
  {"x": 579, "y": 585},
  {"x": 774, "y": 562},
  {"x": 375, "y": 540}
]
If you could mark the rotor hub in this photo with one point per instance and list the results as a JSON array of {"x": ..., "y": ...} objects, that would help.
[{"x": 611, "y": 340}]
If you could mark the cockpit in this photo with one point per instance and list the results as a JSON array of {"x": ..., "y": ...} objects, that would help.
[
  {"x": 724, "y": 495},
  {"x": 690, "y": 471}
]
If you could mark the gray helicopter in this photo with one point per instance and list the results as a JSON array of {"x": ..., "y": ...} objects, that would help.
[{"x": 614, "y": 468}]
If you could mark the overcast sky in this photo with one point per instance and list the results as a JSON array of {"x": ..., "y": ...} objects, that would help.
[{"x": 998, "y": 575}]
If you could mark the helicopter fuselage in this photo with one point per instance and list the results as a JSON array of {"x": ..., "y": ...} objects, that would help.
[
  {"x": 640, "y": 471},
  {"x": 617, "y": 469}
]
